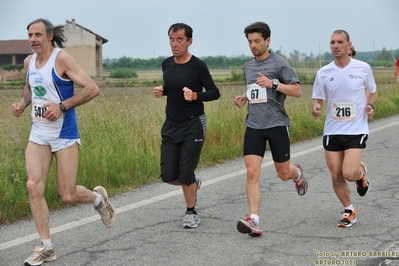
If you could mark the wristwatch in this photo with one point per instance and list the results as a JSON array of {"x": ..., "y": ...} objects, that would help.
[
  {"x": 62, "y": 107},
  {"x": 276, "y": 84}
]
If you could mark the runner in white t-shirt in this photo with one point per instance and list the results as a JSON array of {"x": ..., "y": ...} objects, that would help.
[{"x": 349, "y": 88}]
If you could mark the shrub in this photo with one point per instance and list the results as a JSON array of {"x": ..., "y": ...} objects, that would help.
[
  {"x": 123, "y": 73},
  {"x": 237, "y": 74},
  {"x": 13, "y": 67}
]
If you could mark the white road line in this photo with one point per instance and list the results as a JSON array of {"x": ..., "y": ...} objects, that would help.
[{"x": 132, "y": 206}]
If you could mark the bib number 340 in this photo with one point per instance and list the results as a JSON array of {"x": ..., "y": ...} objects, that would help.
[{"x": 38, "y": 110}]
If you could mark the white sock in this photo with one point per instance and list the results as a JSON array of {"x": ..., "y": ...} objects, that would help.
[
  {"x": 46, "y": 243},
  {"x": 98, "y": 200},
  {"x": 255, "y": 217},
  {"x": 350, "y": 207},
  {"x": 299, "y": 174}
]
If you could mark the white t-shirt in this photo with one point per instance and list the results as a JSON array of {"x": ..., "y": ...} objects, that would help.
[{"x": 345, "y": 92}]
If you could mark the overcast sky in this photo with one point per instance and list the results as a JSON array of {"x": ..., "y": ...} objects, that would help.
[{"x": 138, "y": 29}]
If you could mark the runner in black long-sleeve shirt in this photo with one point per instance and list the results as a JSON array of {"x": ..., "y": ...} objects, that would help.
[{"x": 183, "y": 132}]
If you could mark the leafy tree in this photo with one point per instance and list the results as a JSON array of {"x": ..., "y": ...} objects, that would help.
[
  {"x": 125, "y": 62},
  {"x": 385, "y": 55},
  {"x": 295, "y": 56},
  {"x": 328, "y": 56},
  {"x": 379, "y": 58}
]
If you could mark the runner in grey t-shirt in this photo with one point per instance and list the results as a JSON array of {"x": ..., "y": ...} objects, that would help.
[
  {"x": 269, "y": 80},
  {"x": 271, "y": 113}
]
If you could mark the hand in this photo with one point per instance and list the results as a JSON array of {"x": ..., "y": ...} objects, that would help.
[
  {"x": 370, "y": 111},
  {"x": 53, "y": 111},
  {"x": 316, "y": 110},
  {"x": 189, "y": 95},
  {"x": 240, "y": 101},
  {"x": 17, "y": 109},
  {"x": 264, "y": 81},
  {"x": 158, "y": 91}
]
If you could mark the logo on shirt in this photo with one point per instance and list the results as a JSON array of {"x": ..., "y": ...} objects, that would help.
[
  {"x": 332, "y": 79},
  {"x": 39, "y": 91},
  {"x": 353, "y": 77},
  {"x": 39, "y": 80}
]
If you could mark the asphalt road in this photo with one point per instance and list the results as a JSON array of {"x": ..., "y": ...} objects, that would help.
[{"x": 296, "y": 230}]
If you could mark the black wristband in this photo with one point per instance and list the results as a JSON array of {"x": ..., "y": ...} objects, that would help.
[{"x": 372, "y": 106}]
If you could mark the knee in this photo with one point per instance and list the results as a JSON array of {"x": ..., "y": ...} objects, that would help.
[
  {"x": 173, "y": 183},
  {"x": 252, "y": 173},
  {"x": 337, "y": 179},
  {"x": 283, "y": 175},
  {"x": 168, "y": 178},
  {"x": 253, "y": 177},
  {"x": 351, "y": 176},
  {"x": 35, "y": 189},
  {"x": 67, "y": 197}
]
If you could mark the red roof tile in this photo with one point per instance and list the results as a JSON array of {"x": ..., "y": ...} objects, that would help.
[{"x": 15, "y": 47}]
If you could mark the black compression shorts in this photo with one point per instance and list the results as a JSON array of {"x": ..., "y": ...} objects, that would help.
[{"x": 278, "y": 138}]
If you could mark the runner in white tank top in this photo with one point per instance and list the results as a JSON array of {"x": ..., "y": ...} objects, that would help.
[
  {"x": 51, "y": 74},
  {"x": 48, "y": 87}
]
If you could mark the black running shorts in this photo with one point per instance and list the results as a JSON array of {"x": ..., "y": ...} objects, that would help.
[
  {"x": 181, "y": 149},
  {"x": 344, "y": 142},
  {"x": 278, "y": 138}
]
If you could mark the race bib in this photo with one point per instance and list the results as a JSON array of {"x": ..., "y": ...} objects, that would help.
[
  {"x": 38, "y": 110},
  {"x": 256, "y": 94},
  {"x": 343, "y": 111}
]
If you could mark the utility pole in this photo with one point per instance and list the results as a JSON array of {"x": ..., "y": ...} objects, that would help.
[
  {"x": 373, "y": 51},
  {"x": 319, "y": 56}
]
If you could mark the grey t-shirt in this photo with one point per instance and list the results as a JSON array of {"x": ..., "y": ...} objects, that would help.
[{"x": 263, "y": 115}]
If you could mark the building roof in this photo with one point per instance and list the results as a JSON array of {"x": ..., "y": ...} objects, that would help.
[
  {"x": 15, "y": 47},
  {"x": 98, "y": 37}
]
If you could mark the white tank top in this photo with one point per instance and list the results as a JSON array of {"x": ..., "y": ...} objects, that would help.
[{"x": 47, "y": 87}]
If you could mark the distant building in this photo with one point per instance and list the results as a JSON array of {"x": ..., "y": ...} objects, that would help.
[
  {"x": 83, "y": 45},
  {"x": 86, "y": 47},
  {"x": 14, "y": 52}
]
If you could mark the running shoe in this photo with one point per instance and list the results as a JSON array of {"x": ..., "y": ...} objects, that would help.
[
  {"x": 249, "y": 226},
  {"x": 363, "y": 184},
  {"x": 191, "y": 220},
  {"x": 301, "y": 185},
  {"x": 198, "y": 183},
  {"x": 105, "y": 208},
  {"x": 348, "y": 218},
  {"x": 39, "y": 255}
]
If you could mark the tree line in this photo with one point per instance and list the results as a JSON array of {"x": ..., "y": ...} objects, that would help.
[{"x": 382, "y": 57}]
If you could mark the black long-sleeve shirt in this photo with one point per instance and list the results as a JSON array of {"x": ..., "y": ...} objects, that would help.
[{"x": 194, "y": 75}]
